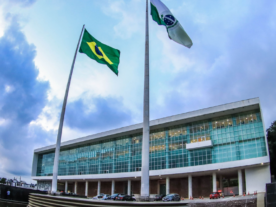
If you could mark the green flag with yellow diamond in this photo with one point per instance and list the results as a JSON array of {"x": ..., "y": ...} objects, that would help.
[{"x": 100, "y": 52}]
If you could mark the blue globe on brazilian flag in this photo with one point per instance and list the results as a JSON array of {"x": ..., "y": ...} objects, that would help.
[{"x": 100, "y": 52}]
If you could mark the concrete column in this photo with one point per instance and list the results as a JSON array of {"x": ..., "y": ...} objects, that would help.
[
  {"x": 215, "y": 182},
  {"x": 190, "y": 186},
  {"x": 99, "y": 188},
  {"x": 167, "y": 185},
  {"x": 112, "y": 187},
  {"x": 220, "y": 182},
  {"x": 86, "y": 188},
  {"x": 66, "y": 187},
  {"x": 158, "y": 187},
  {"x": 129, "y": 187},
  {"x": 76, "y": 186},
  {"x": 240, "y": 181}
]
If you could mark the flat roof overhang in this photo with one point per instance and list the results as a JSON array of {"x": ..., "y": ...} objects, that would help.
[{"x": 193, "y": 116}]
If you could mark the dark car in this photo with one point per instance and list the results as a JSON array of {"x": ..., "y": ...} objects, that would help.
[
  {"x": 123, "y": 197},
  {"x": 215, "y": 195},
  {"x": 171, "y": 197},
  {"x": 159, "y": 197},
  {"x": 113, "y": 196}
]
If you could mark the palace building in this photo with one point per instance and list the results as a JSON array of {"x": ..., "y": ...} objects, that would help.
[{"x": 222, "y": 148}]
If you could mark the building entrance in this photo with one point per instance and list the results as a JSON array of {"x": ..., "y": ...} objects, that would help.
[
  {"x": 163, "y": 189},
  {"x": 230, "y": 185}
]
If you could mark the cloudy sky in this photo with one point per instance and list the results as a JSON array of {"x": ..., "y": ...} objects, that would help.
[{"x": 232, "y": 59}]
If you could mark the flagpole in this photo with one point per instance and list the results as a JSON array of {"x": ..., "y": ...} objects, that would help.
[
  {"x": 146, "y": 127},
  {"x": 56, "y": 160}
]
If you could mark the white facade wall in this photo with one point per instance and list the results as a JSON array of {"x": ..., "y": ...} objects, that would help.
[
  {"x": 256, "y": 178},
  {"x": 34, "y": 165}
]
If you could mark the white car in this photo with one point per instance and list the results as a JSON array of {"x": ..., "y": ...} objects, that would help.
[
  {"x": 98, "y": 197},
  {"x": 102, "y": 196}
]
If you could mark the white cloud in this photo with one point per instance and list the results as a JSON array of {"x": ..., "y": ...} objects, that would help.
[
  {"x": 130, "y": 15},
  {"x": 48, "y": 119},
  {"x": 8, "y": 88},
  {"x": 174, "y": 54},
  {"x": 2, "y": 22},
  {"x": 8, "y": 7},
  {"x": 3, "y": 18},
  {"x": 69, "y": 134},
  {"x": 3, "y": 121}
]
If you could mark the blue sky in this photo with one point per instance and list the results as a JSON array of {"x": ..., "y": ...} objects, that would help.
[{"x": 232, "y": 59}]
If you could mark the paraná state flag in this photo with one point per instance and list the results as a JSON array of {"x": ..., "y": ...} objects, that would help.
[
  {"x": 100, "y": 52},
  {"x": 162, "y": 15}
]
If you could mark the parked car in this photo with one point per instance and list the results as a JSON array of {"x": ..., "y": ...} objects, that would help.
[
  {"x": 159, "y": 197},
  {"x": 99, "y": 197},
  {"x": 215, "y": 195},
  {"x": 113, "y": 196},
  {"x": 105, "y": 197},
  {"x": 171, "y": 197},
  {"x": 123, "y": 197}
]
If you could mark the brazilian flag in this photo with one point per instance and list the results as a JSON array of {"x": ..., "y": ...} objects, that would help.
[{"x": 100, "y": 52}]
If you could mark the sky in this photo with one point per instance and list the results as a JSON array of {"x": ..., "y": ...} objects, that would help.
[{"x": 232, "y": 59}]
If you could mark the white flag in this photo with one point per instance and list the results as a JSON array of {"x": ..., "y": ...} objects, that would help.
[{"x": 162, "y": 15}]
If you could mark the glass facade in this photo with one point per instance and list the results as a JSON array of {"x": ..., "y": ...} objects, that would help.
[{"x": 236, "y": 137}]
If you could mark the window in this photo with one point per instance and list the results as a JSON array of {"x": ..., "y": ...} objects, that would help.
[
  {"x": 199, "y": 128},
  {"x": 177, "y": 131},
  {"x": 234, "y": 138},
  {"x": 201, "y": 138},
  {"x": 245, "y": 119},
  {"x": 157, "y": 135},
  {"x": 220, "y": 124}
]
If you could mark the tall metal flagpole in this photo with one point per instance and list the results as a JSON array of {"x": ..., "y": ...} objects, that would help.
[
  {"x": 146, "y": 128},
  {"x": 55, "y": 169}
]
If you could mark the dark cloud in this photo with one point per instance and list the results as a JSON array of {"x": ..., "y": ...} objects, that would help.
[
  {"x": 105, "y": 113},
  {"x": 22, "y": 98},
  {"x": 233, "y": 61}
]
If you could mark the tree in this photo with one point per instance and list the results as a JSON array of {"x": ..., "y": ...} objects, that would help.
[
  {"x": 3, "y": 180},
  {"x": 271, "y": 138}
]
